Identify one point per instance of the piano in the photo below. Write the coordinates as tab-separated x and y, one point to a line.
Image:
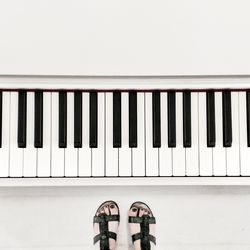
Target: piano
124	131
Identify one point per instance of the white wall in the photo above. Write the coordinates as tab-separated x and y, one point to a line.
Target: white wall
125	37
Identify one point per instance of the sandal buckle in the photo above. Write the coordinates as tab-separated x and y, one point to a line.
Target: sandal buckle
103	237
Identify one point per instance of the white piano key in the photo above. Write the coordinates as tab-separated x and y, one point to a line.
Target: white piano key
152	154
111	152
232	153
165	153
85	151
205	153
125	151
98	154
30	152
16	154
4	150
179	161
219	152
192	154
71	153
244	149
57	154
138	154
44	153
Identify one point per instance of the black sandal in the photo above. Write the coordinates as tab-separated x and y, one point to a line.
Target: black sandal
103	219
144	222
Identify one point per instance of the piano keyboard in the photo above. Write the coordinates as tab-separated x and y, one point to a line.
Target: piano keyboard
150	133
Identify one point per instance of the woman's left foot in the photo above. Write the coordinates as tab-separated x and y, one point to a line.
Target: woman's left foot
106	221
142	226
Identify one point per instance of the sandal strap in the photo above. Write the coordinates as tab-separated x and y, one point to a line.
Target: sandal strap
139	236
144	235
106	218
150	220
109	235
105	234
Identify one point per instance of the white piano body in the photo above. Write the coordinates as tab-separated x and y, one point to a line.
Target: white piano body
215	208
229	166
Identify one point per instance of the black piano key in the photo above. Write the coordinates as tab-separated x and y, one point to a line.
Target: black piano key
62	119
93	122
171	120
211	135
1	120
156	105
187	141
248	117
132	119
117	119
38	140
227	119
78	119
22	119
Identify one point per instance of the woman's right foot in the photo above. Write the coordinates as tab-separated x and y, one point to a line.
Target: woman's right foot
106	221
142	226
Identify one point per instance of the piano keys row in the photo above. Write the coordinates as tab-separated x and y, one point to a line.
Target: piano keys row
124	134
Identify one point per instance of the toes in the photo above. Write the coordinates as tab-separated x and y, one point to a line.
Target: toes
139	209
146	211
133	211
113	209
101	211
141	212
106	209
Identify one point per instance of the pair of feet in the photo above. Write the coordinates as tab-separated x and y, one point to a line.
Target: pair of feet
141	224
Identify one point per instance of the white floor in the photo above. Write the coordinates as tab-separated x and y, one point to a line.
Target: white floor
188	218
